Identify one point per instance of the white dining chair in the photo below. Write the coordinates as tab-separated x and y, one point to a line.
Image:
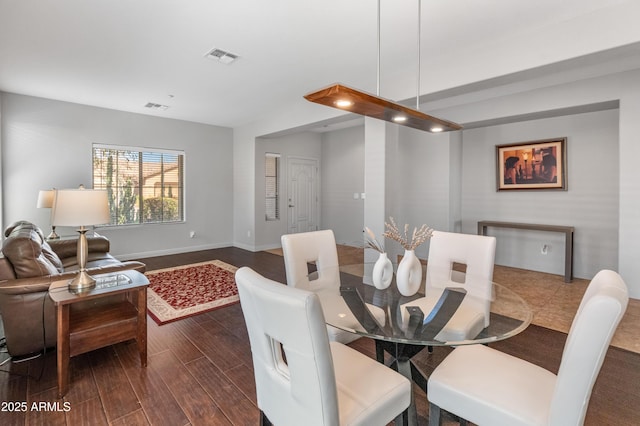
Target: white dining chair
315	247
477	253
489	387
319	248
301	377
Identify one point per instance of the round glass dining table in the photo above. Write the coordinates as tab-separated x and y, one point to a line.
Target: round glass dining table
387	315
451	311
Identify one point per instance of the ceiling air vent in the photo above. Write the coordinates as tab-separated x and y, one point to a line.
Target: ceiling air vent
221	55
155	106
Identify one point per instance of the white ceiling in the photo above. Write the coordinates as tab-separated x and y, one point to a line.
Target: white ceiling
121	54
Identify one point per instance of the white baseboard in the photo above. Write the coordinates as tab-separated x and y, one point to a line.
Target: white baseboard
268	247
178	250
247	247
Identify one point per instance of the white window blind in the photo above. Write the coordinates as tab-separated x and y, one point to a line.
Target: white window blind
272	186
143	186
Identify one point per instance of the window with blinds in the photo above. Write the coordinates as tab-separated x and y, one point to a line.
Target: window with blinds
143	186
272	186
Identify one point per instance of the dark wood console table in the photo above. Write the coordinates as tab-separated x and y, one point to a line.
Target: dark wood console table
566	230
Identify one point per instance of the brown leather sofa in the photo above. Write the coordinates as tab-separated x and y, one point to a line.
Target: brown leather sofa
28	266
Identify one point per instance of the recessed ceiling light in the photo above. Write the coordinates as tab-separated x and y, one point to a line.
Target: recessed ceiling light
436	129
399	118
221	56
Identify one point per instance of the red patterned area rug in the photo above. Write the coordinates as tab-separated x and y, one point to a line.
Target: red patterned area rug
183	291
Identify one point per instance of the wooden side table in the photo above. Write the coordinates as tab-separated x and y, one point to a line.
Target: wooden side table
114	311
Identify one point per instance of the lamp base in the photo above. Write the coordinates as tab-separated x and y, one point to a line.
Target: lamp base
53	235
82	282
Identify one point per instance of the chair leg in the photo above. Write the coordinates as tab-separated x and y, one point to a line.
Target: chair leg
435	415
264	421
402	419
379	352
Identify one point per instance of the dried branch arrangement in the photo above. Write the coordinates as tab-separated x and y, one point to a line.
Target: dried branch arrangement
419	235
372	241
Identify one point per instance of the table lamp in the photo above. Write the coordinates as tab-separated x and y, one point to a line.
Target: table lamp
80	207
45	201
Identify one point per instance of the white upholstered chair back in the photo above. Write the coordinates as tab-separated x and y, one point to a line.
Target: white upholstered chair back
596	320
317	247
506	390
477	252
301	390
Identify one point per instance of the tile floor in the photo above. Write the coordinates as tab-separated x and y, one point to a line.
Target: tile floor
555	302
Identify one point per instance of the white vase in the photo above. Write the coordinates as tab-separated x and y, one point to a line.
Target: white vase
382	272
409	275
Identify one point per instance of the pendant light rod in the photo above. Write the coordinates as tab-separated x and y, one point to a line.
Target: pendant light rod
378	78
356	101
419	39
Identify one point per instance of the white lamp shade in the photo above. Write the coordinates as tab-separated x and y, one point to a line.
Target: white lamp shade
45	198
80	207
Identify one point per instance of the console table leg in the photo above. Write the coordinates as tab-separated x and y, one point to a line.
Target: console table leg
568	257
63	350
141	338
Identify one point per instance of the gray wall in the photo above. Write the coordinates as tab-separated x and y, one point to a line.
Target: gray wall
448	181
554	92
422	186
340	155
591	203
300	145
47	144
342	177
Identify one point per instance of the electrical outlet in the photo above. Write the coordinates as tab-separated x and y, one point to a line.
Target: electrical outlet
545	249
192	234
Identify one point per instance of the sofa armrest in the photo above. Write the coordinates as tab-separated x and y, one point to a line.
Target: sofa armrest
6	269
38	284
29	285
69	247
115	267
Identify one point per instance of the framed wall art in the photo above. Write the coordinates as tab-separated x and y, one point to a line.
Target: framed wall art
532	165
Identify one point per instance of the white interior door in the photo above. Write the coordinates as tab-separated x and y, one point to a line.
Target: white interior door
303	195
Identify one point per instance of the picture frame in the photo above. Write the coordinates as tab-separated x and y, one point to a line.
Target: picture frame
540	165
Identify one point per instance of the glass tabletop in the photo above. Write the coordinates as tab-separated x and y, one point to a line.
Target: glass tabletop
449	311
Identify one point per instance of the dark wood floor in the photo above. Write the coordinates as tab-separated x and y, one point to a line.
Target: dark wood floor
200	370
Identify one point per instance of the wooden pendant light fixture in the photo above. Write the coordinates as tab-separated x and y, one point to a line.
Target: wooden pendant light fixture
363	103
359	102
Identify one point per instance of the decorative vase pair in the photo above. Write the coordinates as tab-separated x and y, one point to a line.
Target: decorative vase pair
408	277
